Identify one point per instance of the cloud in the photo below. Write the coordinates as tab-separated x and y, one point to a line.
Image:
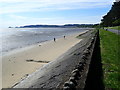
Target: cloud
12	11
55	1
15	6
17	20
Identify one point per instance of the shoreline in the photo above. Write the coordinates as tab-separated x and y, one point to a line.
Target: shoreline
16	67
19	49
26	37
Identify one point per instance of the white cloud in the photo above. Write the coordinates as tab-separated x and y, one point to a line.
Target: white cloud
55	1
14	6
22	20
11	8
18	20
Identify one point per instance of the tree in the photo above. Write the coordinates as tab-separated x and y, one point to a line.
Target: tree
113	16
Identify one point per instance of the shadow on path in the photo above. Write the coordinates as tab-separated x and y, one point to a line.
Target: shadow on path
95	75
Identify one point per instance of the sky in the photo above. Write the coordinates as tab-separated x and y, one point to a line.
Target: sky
52	12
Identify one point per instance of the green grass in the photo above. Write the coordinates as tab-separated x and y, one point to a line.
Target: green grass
116	27
110	55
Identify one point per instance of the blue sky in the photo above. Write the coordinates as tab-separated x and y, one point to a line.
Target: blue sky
59	12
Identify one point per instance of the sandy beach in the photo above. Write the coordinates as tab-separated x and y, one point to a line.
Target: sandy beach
18	64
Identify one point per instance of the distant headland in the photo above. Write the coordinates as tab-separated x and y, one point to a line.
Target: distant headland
61	26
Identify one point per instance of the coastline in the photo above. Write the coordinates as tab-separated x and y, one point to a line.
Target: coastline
19	64
26	37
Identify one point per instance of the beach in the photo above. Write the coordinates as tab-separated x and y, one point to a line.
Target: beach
20	63
17	38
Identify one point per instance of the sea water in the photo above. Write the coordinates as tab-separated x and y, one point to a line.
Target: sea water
15	38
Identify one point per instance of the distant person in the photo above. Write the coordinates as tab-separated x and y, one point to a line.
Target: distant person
54	39
64	37
106	29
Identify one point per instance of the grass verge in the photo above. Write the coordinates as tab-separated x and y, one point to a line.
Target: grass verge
110	55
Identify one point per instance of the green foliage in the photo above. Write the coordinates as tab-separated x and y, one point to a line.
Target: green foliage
115	23
96	26
110	55
113	16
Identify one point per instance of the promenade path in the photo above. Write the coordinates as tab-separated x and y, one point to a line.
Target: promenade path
114	31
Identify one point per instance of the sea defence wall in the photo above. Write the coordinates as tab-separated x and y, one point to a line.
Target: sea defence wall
79	75
68	71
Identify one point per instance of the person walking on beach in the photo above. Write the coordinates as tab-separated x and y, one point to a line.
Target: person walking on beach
54	39
64	37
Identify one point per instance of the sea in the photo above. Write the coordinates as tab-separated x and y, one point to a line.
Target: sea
16	38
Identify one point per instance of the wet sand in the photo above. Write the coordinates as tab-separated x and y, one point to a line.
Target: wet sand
18	64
